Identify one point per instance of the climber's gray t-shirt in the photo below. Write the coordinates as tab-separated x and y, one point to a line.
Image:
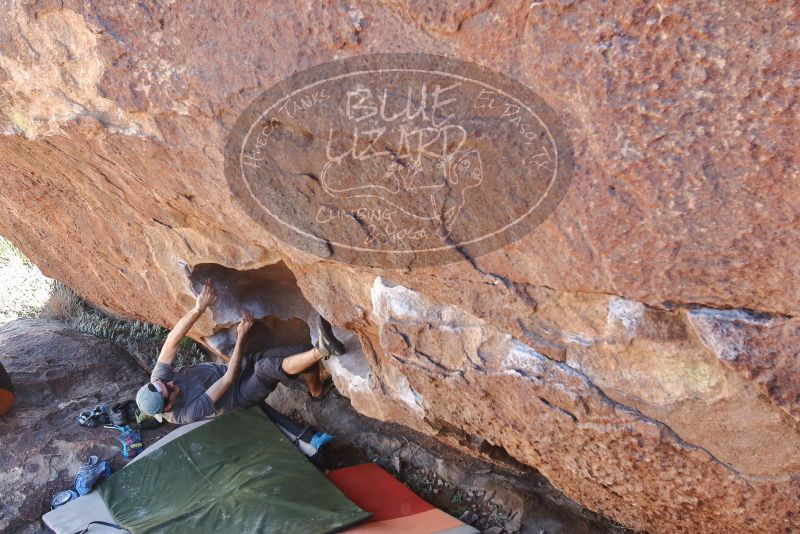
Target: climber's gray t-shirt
260	372
193	403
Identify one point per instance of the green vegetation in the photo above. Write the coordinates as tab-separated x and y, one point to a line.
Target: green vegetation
143	340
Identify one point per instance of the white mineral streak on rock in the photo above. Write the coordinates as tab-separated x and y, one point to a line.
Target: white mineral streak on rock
393	302
719	330
350	370
627	312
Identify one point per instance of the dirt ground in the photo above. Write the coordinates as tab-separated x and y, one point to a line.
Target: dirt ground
57	372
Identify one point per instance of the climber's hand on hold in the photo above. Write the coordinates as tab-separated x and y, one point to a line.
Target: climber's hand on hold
206	298
244	324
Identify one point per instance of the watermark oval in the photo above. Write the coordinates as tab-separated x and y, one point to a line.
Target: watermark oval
399	160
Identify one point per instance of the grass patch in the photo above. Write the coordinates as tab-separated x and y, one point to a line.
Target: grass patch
63	304
142	339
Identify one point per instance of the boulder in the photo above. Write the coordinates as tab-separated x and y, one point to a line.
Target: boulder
637	347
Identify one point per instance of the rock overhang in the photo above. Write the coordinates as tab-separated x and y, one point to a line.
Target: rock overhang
625	381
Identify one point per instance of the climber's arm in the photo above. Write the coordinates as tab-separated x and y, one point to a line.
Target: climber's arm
218	388
206	298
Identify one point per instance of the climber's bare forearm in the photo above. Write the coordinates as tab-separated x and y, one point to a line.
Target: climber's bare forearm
236	359
173	341
219	388
223	384
205	298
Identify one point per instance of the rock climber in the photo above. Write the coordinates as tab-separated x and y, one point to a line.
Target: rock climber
202	390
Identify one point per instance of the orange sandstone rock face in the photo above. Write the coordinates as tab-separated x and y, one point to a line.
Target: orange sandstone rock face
638	347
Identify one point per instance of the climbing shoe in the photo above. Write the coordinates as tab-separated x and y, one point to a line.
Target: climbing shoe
131	408
89	473
123	413
118	415
95	417
327	344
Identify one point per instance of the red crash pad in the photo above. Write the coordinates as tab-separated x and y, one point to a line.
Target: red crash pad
394	507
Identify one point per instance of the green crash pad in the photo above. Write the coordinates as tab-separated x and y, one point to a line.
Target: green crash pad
238	473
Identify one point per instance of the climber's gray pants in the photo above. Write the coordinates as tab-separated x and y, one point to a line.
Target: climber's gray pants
261	372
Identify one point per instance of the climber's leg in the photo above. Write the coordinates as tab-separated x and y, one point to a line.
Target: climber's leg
267	369
312	379
301	362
